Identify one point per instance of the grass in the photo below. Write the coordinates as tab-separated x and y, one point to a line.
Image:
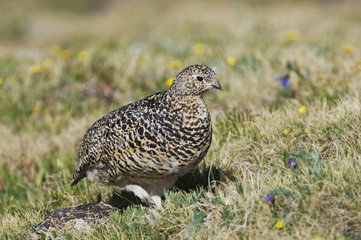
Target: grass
45	111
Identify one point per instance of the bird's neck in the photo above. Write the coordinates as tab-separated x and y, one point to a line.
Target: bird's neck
190	104
188	100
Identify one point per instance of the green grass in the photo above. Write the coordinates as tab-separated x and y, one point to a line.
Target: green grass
43	115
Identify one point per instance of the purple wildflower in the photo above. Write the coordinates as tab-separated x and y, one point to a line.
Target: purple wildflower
269	198
292	163
284	80
285	83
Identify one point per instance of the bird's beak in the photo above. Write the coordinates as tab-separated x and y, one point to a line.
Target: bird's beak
218	86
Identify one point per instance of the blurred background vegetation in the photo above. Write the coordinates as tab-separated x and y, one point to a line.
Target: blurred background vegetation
64	64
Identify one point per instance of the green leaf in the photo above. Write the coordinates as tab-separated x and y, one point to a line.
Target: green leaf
114	216
280	191
289	66
239	188
292	66
197	219
54	234
301	153
228	213
40	176
43	236
318	161
275	192
285	191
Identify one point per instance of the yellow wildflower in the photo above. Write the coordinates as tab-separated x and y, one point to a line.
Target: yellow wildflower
279	224
36	109
320	76
347	49
1	81
47	63
175	64
306	131
291	35
83	56
199	48
65	54
302	110
231	61
36	69
317	238
286	131
64	197
169	81
55	50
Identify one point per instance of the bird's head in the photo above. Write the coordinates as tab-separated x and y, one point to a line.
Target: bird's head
195	80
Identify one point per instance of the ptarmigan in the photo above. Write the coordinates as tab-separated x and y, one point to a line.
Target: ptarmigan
145	146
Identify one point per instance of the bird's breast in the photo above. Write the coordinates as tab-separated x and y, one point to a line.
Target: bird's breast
190	131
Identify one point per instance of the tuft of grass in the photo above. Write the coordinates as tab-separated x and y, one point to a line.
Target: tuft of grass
50	95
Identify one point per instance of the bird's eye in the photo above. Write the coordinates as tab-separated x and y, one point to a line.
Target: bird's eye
199	78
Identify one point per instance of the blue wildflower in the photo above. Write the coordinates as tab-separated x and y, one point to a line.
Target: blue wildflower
284	80
292	163
285	83
269	198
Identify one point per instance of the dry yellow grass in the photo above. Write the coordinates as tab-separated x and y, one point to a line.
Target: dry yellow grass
132	46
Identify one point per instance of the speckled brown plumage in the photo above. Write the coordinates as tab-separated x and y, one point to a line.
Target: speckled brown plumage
146	145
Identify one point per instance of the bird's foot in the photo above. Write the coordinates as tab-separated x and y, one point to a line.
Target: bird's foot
158	202
149	201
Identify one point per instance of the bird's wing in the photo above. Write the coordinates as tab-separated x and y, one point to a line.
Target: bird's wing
117	138
94	142
135	143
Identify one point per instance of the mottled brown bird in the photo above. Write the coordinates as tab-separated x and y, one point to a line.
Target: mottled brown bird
145	146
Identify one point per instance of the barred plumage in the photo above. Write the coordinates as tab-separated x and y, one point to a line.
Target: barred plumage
145	146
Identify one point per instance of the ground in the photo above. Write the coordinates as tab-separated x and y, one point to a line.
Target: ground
286	141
